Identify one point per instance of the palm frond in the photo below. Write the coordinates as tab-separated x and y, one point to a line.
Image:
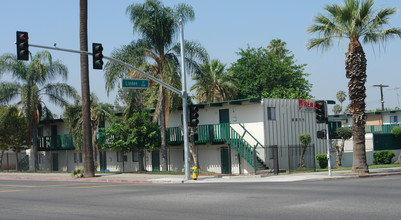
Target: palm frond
9	91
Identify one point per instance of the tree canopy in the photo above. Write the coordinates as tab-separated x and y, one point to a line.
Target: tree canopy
270	73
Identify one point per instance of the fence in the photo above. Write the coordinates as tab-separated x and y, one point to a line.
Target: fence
289	158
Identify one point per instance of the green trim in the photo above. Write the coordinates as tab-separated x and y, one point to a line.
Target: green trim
58	142
219	134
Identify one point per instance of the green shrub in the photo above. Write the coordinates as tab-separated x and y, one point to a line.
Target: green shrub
383	157
78	173
396	132
322	160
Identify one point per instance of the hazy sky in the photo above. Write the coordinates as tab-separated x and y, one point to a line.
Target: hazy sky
221	26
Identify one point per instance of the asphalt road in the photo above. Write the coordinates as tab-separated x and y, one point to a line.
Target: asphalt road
367	198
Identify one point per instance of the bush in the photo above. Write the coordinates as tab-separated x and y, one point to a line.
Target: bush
322	160
383	157
396	132
78	173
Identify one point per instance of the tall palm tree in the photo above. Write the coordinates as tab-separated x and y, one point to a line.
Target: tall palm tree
89	167
277	46
337	109
31	85
354	20
158	44
213	83
341	97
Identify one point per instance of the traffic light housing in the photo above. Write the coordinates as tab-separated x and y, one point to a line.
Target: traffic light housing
321	114
97	50
22	46
321	134
193	116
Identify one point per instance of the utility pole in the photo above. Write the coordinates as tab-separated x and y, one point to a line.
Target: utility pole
381	93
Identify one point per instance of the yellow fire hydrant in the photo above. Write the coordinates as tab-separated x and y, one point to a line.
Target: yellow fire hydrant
195	173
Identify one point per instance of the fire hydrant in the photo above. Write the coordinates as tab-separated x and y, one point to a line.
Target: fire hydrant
195	173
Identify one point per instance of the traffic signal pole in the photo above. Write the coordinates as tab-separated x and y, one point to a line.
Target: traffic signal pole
328	142
167	86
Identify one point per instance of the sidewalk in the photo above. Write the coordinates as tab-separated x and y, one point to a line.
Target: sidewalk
151	178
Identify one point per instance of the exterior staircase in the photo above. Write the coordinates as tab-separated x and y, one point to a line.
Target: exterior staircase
224	133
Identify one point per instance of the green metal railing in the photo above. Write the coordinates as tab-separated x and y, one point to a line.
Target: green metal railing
380	129
57	142
216	134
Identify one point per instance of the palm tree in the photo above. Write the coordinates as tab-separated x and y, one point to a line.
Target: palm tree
354	20
158	44
341	97
99	112
277	46
213	83
337	109
89	167
31	85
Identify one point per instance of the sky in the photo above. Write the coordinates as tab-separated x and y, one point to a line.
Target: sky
223	27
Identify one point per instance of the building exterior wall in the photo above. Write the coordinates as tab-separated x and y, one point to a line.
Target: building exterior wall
292	118
374	119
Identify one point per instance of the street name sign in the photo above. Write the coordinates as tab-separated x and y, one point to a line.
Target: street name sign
134	83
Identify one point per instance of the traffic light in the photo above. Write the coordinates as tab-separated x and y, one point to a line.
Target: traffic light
97	50
321	114
321	134
22	46
193	116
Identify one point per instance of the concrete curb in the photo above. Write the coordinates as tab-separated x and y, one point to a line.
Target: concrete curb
379	174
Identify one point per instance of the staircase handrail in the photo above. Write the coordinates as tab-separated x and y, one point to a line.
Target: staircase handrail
246	131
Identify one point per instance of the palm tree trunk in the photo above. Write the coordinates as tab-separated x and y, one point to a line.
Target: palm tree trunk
34	150
163	146
87	135
355	66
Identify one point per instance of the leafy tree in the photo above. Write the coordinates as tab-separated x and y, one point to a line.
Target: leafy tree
397	134
33	82
13	132
305	140
137	133
344	133
354	20
158	45
337	109
213	83
263	73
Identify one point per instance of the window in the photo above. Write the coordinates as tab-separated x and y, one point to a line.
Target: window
80	157
271	113
75	158
135	156
121	156
395	119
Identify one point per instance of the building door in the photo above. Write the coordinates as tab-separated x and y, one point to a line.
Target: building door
156	160
55	161
225	160
103	160
224	116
